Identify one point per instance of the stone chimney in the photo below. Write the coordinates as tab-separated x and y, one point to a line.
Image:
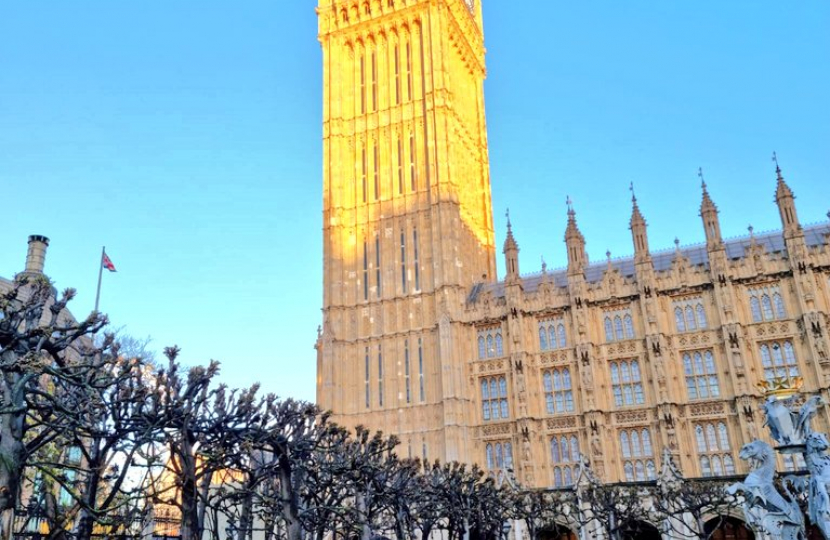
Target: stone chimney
36	257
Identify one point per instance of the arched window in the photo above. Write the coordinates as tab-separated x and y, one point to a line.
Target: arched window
568	476
557	477
636	451
554	451
561	332
629	471
482	351
499	457
491	351
609	331
651	470
558	391
503	395
564	449
679	320
755	308
574	447
499	347
713	449
705	466
711	438
624	444
701	316
701	378
780	312
543	340
723	435
490	462
508	455
629	327
766	304
690	318
626	383
641	472
485	399
700	438
618	327
717	466
647	451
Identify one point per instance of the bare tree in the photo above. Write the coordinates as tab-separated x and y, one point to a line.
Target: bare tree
38	340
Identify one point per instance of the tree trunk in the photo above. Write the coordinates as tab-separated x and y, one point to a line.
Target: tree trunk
189	495
290	508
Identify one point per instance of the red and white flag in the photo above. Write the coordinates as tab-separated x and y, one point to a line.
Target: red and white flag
107	263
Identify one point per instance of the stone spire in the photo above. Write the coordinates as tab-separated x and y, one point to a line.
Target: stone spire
511	252
577	258
639	232
785	200
709	214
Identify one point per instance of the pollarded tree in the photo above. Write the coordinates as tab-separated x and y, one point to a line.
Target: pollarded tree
38	341
200	426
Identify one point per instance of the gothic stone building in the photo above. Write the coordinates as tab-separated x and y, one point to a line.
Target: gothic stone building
615	360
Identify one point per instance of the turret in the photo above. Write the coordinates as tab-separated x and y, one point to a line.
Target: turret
639	231
709	215
577	258
785	200
511	253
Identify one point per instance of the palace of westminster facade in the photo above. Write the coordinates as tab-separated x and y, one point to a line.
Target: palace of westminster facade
613	360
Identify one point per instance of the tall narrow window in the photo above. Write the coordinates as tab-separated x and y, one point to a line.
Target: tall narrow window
766	303
714	450
558	391
626	383
364	179
403	262
362	84
400	166
778	360
494	398
367	385
376	169
701	377
374	81
380	376
637	445
406	370
421	389
412	182
397	63
377	265
564	452
415	261
408	70
365	270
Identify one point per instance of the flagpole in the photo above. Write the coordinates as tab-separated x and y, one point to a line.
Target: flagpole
100	273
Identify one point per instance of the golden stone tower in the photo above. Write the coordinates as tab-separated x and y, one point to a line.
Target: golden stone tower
407	219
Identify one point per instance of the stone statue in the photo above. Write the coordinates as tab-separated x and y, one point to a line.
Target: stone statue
788	427
765	509
818	464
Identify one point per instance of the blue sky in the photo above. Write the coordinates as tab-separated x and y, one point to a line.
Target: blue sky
185	136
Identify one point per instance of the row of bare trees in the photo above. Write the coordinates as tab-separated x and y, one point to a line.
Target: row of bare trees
102	440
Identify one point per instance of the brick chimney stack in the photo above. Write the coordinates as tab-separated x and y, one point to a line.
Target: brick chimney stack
36	257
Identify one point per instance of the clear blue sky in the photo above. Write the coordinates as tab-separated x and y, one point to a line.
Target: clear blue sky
185	136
